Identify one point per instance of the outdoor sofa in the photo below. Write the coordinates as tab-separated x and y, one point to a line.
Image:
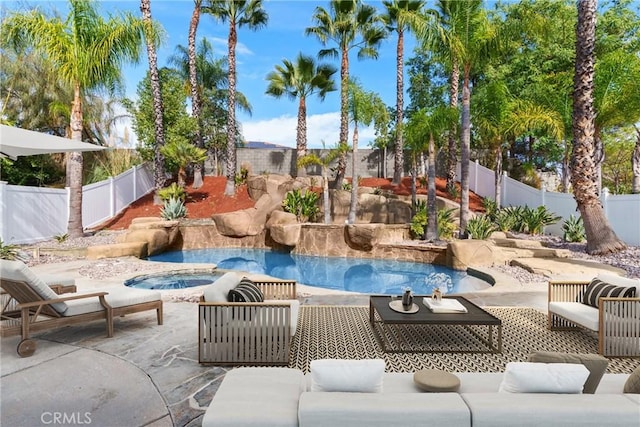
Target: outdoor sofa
285	397
578	304
254	329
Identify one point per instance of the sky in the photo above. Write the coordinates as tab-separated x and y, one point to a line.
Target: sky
273	120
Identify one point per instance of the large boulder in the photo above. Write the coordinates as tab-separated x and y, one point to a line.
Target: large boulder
158	234
470	253
372	208
286	234
363	236
247	222
259	185
136	249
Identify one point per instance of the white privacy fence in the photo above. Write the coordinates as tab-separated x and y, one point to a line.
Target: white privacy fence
623	211
31	214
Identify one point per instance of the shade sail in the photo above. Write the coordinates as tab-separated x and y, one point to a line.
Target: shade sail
16	142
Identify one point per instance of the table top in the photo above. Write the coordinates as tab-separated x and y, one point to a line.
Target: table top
474	315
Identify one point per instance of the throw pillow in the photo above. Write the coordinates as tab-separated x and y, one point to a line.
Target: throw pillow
632	385
597	289
596	364
524	377
360	376
246	291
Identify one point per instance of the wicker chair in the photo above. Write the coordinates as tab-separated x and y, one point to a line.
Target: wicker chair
616	321
233	333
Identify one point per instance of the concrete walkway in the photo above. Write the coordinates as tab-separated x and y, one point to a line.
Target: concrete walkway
146	375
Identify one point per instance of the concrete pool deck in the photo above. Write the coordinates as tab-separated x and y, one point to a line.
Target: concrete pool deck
148	375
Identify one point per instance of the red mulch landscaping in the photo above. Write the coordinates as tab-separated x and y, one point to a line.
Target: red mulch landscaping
210	199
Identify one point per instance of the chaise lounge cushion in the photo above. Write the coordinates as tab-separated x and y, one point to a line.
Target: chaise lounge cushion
19	272
116	298
596	364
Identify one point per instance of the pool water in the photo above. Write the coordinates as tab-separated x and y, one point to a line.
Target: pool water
369	276
172	280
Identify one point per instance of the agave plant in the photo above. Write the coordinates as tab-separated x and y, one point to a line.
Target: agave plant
173	209
573	230
9	251
536	219
481	227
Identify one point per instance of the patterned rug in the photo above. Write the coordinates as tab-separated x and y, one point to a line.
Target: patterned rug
329	332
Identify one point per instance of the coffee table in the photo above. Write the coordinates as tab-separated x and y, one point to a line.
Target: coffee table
425	331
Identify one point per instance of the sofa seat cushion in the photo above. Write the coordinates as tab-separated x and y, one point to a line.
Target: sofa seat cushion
547	409
595	363
218	291
435	380
576	312
382	409
251	397
117	297
19	272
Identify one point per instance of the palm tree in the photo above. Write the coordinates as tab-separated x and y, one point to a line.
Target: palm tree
158	114
196	102
349	24
601	239
182	153
401	16
239	13
87	51
299	81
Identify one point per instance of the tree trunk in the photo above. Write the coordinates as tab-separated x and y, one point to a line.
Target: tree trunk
465	148
384	162
158	109
398	167
432	215
325	195
230	188
452	152
498	178
344	117
353	206
74	168
566	173
635	164
301	135
601	239
414	186
196	102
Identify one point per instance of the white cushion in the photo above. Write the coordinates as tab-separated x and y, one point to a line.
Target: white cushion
579	313
626	282
363	376
19	272
218	291
117	297
528	377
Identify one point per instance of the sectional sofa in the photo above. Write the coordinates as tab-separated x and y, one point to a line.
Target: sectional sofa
282	397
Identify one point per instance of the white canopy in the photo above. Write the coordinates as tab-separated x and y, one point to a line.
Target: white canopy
16	142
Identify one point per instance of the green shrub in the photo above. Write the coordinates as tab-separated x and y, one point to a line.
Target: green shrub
8	251
419	219
61	238
574	230
174	191
510	219
346	186
480	227
490	207
535	220
241	177
446	224
173	209
301	204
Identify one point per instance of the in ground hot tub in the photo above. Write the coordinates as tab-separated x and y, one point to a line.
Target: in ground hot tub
169	280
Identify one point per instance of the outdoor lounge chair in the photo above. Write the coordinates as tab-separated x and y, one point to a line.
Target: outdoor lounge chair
39	307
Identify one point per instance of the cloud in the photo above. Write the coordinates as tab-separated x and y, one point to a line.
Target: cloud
320	127
222	44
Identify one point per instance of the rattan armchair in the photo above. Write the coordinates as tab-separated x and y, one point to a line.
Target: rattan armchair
616	321
232	333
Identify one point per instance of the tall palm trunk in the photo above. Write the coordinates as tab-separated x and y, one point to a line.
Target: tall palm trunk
230	188
601	239
74	168
353	206
635	164
498	177
196	102
598	158
398	166
344	117
158	113
452	152
301	134
465	155
432	215
566	173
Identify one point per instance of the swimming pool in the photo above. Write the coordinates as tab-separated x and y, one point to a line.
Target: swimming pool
369	276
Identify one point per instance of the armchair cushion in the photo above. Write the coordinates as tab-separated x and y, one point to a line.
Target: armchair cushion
598	289
246	291
218	291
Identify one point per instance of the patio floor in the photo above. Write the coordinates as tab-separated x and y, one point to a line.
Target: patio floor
149	375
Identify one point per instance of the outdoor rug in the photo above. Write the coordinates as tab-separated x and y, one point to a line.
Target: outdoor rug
340	332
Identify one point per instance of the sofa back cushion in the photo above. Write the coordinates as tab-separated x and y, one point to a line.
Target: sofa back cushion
218	291
595	363
343	375
614	279
525	377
